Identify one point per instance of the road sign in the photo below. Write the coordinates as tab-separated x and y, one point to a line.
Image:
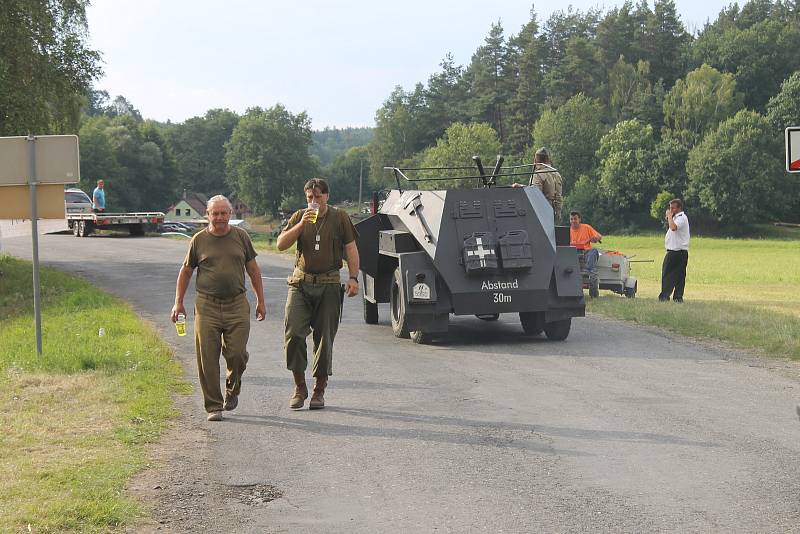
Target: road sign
35	161
17	201
56	156
793	149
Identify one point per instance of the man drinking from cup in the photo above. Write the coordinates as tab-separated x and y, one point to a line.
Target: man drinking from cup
325	237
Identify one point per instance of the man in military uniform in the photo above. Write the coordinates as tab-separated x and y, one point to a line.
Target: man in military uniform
325	236
221	253
546	178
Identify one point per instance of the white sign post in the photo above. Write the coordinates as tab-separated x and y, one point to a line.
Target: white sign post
34	160
793	149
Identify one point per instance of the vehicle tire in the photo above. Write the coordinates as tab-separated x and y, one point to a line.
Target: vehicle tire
532	322
558	330
398	306
76	229
370	311
630	292
419	337
488	316
136	230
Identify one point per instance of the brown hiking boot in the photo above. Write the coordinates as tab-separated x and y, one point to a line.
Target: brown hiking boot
300	390
317	399
299	397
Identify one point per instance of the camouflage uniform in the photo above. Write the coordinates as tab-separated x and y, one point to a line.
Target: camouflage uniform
549	181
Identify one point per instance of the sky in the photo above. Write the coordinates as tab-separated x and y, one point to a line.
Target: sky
337	61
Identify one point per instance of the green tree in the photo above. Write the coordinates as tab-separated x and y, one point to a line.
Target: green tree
669	166
627	177
632	95
45	66
760	55
617	35
398	132
344	172
332	142
461	142
98	160
446	100
734	171
490	82
572	133
525	61
267	157
665	42
783	110
701	102
198	144
581	71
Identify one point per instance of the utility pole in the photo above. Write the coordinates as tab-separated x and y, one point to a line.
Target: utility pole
360	183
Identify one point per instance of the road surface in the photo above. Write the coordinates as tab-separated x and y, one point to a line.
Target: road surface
618	429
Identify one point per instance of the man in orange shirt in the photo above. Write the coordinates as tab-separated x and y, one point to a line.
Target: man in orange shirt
581	236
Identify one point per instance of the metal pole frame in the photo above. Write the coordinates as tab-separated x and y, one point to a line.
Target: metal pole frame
33	182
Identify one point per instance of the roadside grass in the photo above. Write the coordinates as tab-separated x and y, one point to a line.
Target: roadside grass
77	419
745	291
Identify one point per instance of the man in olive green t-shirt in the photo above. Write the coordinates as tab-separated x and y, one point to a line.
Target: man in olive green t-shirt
221	253
325	236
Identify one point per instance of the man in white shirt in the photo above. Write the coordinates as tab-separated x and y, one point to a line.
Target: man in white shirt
673	270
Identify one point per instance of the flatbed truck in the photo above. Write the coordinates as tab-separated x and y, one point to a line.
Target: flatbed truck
83	224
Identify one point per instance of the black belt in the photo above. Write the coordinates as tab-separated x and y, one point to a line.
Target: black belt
680	250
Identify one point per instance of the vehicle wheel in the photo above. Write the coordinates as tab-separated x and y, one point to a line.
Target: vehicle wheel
76	229
136	230
558	330
630	292
532	322
488	316
398	305
594	287
370	311
419	337
82	228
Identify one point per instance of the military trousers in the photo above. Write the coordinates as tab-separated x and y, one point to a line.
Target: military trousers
312	309
221	326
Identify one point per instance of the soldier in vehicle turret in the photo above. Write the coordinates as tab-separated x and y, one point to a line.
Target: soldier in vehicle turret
548	179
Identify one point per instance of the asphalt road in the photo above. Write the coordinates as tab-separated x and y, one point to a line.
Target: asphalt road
617	429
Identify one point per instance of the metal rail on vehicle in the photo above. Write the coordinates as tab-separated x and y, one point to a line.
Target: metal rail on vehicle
485	179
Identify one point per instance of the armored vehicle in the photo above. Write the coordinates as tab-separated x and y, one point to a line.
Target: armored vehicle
477	251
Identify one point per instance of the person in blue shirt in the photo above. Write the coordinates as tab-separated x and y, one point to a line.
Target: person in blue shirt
99	197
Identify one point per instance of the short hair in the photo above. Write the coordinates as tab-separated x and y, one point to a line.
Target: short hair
575	214
676	201
542	156
219	198
100	181
316	183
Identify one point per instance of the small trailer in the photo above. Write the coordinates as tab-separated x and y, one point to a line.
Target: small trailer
83	224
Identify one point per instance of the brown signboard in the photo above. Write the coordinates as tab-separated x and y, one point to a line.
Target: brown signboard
57	160
15	201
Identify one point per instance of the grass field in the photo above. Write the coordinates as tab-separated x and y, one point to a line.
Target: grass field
742	290
75	420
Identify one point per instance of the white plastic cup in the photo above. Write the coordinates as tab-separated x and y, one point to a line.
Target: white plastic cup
314	206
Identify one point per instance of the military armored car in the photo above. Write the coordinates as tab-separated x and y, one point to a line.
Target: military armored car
482	250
